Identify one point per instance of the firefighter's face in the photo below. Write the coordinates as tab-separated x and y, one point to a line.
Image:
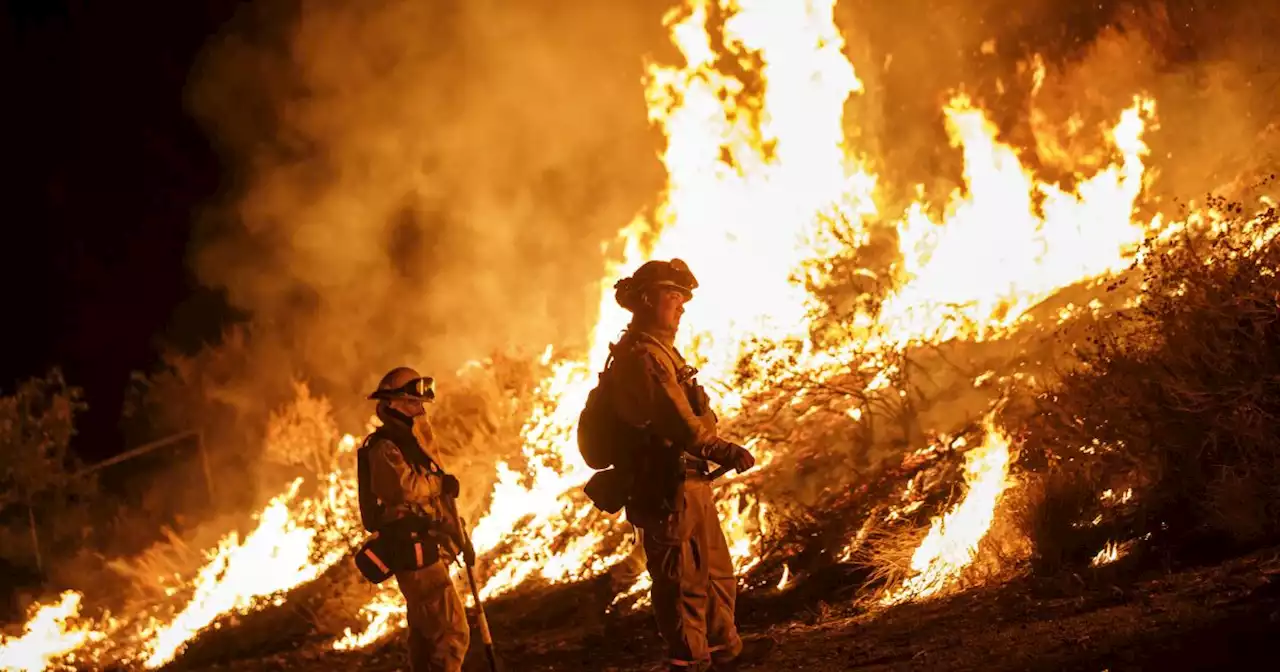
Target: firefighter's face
668	307
409	407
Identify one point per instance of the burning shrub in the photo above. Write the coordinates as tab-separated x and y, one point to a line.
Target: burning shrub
1176	401
303	433
1060	511
477	422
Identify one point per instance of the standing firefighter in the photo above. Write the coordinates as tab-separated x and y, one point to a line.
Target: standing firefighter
402	485
663	469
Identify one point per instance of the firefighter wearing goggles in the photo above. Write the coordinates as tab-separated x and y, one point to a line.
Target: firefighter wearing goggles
405	478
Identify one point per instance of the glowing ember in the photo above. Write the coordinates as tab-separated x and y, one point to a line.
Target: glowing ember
953	538
1109	554
1109	496
850	551
1114	551
638	590
786	577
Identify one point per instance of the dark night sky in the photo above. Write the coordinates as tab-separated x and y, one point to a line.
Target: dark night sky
106	170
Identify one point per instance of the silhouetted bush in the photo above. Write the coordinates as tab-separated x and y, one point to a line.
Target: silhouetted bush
1176	399
44	505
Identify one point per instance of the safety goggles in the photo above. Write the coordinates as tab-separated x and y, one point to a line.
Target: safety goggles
418	388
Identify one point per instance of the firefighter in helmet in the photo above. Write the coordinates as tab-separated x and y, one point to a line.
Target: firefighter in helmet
407	479
694	588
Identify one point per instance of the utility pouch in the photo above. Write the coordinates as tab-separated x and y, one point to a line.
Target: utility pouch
404	545
611	489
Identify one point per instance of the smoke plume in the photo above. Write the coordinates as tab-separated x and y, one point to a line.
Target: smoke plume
423	182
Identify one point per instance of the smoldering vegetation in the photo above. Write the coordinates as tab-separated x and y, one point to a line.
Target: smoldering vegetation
1171	411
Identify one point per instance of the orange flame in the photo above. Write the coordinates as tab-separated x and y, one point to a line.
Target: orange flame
287	549
754	170
50	634
953	538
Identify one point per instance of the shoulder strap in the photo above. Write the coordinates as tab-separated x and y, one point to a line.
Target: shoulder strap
608	361
676	360
614	348
408	446
370	507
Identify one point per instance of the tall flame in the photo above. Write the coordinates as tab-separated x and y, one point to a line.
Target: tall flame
748	175
953	538
757	161
994	256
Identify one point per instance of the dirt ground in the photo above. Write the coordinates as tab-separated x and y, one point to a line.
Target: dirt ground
1222	617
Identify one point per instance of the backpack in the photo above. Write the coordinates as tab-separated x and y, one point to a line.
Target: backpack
611	446
604	439
602	435
370	507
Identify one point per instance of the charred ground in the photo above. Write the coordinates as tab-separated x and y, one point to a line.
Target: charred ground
1205	618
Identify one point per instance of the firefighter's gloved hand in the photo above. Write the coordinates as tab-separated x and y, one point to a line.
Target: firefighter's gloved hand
469	555
451	486
739	458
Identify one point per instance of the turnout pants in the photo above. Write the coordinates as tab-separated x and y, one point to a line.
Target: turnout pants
694	589
438	629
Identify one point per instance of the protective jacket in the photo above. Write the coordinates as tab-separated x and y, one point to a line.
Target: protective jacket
400	476
655	390
406	479
694	590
